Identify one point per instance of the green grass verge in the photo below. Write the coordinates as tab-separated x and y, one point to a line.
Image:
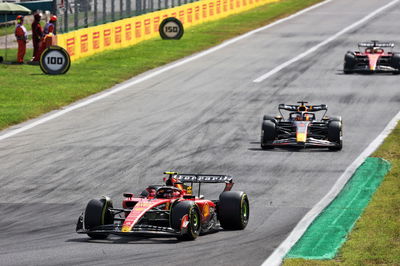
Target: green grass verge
375	239
26	93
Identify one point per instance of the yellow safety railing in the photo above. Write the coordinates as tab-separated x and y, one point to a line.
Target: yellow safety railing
126	32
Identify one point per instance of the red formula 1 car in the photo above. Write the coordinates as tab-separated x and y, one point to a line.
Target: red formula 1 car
372	57
168	210
302	129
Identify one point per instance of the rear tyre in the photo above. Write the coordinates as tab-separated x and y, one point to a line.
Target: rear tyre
181	209
96	214
335	135
396	63
233	210
349	63
268	134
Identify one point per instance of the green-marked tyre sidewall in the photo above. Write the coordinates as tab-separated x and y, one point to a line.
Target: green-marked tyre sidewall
233	210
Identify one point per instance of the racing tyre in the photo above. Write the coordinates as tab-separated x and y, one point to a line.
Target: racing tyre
190	209
335	118
349	63
335	135
269	117
268	134
396	63
97	213
233	210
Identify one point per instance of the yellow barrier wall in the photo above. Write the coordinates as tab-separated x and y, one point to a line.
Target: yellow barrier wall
125	32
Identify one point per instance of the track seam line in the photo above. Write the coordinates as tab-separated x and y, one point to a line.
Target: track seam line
143	77
321	44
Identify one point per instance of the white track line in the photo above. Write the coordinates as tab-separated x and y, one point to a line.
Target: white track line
276	257
134	81
316	47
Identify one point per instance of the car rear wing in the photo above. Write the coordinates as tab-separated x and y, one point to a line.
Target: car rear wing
308	108
201	179
378	44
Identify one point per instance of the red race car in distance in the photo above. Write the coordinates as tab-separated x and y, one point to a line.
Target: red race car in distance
371	58
168	210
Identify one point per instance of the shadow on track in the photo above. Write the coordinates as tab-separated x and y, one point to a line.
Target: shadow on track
287	149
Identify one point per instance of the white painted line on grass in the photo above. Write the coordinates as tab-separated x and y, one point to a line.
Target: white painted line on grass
137	80
316	47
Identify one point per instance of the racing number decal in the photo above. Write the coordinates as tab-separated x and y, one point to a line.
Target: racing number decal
171	29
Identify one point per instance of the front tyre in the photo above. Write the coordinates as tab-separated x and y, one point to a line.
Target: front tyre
268	134
335	135
233	210
335	118
186	210
269	117
96	214
349	63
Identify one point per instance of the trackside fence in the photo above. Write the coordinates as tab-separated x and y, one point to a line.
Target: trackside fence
77	14
129	31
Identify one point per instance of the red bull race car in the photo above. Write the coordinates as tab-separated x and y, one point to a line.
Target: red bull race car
168	210
372	57
302	129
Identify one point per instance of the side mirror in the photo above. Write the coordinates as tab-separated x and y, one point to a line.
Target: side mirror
128	195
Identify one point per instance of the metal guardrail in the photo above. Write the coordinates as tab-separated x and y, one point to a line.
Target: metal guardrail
77	14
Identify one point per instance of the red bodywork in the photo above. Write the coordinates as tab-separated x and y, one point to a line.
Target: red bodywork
150	211
373	54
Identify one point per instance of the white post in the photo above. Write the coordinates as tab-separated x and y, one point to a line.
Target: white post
5	28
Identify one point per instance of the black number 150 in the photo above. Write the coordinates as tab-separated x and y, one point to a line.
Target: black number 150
171	29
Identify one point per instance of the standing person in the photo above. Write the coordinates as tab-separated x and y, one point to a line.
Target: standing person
50	26
49	34
37	36
22	38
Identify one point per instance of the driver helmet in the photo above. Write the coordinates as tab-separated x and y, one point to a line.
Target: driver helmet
167	194
176	194
151	191
298	117
307	117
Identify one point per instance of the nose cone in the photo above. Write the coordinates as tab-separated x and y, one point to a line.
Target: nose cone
373	60
301	137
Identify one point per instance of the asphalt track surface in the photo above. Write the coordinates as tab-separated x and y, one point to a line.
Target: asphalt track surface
202	117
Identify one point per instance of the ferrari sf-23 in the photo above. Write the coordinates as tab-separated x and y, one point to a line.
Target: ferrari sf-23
168	210
301	128
372	58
